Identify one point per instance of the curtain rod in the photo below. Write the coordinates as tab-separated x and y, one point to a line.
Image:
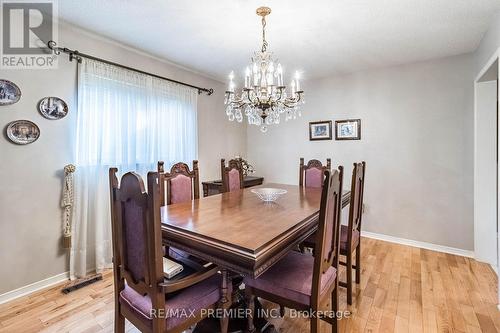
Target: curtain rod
76	55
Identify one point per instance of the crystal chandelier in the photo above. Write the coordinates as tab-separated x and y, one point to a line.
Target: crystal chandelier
264	97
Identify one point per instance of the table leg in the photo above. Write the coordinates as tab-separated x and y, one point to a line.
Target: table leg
224	321
250	300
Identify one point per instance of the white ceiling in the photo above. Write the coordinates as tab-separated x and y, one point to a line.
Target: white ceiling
319	38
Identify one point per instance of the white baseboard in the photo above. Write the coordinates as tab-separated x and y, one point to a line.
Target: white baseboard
422	245
10	295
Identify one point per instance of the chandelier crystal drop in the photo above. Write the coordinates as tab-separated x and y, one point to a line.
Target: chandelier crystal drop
264	98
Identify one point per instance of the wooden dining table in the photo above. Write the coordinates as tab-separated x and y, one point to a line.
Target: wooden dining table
241	233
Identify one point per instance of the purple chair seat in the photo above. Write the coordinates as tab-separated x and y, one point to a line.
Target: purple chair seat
178	306
291	278
309	241
343	238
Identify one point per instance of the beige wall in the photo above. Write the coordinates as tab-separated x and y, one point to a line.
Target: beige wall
417	140
30	216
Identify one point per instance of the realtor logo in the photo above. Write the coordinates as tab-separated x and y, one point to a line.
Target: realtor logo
27	26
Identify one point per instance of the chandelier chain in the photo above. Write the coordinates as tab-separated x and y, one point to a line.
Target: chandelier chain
264	42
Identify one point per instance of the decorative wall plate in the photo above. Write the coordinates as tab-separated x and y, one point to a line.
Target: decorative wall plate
23	132
9	92
53	108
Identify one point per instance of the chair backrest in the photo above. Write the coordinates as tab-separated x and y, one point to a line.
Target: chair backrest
328	235
136	233
311	175
356	204
232	175
180	184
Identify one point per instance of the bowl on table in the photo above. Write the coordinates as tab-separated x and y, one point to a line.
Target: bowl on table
268	194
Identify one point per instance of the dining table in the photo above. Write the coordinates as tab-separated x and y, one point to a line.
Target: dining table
238	231
241	233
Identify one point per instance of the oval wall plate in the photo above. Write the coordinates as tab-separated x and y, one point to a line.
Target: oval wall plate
23	132
9	92
53	108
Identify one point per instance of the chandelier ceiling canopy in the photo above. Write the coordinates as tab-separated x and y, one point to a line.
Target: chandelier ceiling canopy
264	97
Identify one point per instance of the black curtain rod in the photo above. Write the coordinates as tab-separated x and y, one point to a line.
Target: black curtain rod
76	55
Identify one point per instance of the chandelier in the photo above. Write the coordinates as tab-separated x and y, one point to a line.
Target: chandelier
264	98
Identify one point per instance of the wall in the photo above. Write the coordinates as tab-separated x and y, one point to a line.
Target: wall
30	214
417	140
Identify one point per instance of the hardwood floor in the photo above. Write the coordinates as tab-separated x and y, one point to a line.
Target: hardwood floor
403	289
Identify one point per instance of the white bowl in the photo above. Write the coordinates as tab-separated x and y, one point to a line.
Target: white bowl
267	194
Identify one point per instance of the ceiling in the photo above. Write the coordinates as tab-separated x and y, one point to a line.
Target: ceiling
319	38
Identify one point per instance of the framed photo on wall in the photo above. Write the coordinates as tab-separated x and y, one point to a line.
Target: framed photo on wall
320	130
349	129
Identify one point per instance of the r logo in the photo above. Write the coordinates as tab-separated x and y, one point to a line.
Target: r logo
27	27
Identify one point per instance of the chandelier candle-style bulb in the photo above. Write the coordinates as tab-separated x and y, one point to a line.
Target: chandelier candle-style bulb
297	84
247	78
264	98
231	82
279	74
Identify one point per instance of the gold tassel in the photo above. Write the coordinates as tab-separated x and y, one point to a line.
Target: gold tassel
66	242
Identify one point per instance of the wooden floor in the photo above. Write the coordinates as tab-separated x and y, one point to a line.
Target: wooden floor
403	289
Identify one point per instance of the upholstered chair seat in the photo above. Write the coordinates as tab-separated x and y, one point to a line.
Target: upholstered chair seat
178	305
344	241
291	278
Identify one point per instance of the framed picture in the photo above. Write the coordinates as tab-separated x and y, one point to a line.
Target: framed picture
53	108
320	130
349	129
9	92
23	132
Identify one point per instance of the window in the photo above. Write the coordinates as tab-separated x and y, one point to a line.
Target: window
130	121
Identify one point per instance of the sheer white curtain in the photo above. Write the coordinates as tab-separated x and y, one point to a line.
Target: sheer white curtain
130	121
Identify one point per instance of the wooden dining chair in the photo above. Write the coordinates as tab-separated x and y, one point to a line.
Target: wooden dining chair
180	184
350	240
232	175
311	174
301	281
176	186
142	294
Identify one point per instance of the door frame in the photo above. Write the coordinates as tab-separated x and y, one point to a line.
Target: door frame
494	58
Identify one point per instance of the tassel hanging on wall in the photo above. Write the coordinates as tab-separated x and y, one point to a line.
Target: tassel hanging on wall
67	204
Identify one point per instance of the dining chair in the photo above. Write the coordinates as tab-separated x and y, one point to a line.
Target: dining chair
176	186
142	294
180	184
350	240
301	281
311	175
232	175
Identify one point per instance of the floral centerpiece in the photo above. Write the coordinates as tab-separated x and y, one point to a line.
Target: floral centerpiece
247	167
